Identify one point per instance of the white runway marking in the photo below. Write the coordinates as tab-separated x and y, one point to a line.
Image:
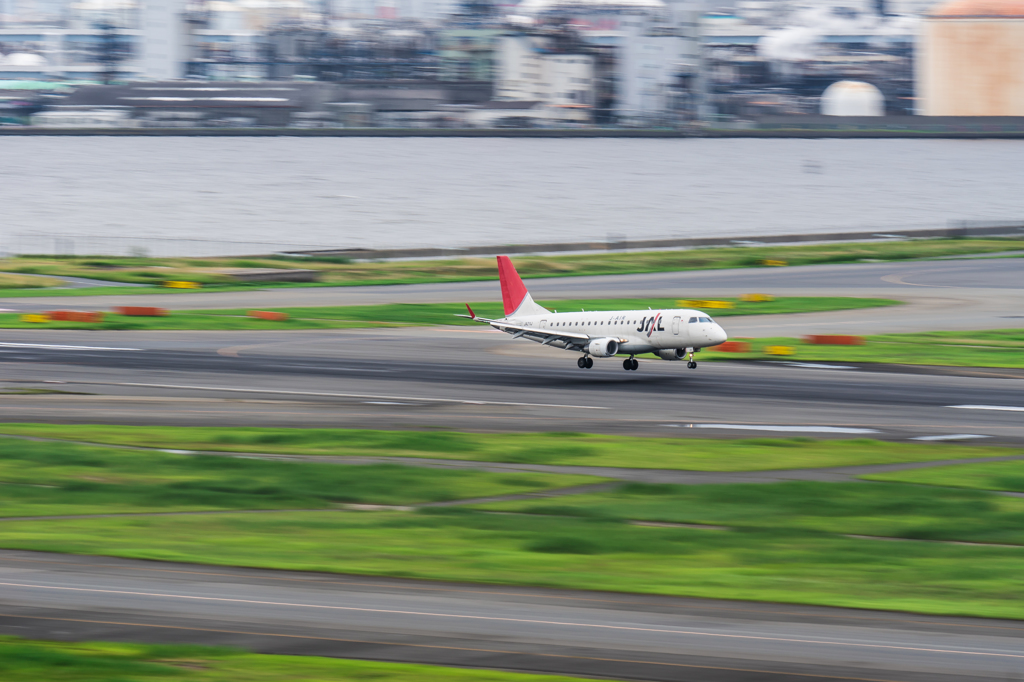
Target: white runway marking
812	365
335	369
672	631
998	408
800	429
952	436
458	401
54	347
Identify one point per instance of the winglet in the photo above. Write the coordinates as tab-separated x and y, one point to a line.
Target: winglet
471	314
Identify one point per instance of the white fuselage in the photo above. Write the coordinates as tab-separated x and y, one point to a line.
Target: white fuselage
637	331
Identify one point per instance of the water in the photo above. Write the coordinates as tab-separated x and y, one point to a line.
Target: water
387	192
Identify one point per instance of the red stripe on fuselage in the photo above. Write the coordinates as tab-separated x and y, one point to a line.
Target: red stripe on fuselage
513	291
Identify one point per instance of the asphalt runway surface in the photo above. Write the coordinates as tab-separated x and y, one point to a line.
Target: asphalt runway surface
479	379
643	637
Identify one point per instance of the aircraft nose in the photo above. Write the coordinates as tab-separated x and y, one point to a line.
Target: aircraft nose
718	335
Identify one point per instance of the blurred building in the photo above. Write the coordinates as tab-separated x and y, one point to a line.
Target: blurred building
646	53
656	69
971	59
777	58
193	103
553	70
163	44
467	51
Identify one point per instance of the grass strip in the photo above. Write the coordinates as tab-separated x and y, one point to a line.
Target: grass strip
342	272
27	660
574	449
786	566
991	348
398	314
43	478
883	509
1008	476
18	282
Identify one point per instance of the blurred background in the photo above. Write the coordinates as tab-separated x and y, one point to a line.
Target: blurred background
897	64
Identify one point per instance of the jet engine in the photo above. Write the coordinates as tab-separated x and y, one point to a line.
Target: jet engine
603	348
672	353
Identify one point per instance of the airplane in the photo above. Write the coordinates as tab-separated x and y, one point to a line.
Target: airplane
670	334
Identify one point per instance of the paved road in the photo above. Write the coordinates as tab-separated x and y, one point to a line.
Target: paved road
480	380
587	633
949	294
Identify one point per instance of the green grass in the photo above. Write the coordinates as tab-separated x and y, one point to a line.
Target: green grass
395	314
889	509
41	478
766	565
579	449
992	348
339	272
1007	476
36	661
19	282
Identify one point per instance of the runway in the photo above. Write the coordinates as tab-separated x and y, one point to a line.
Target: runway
585	633
478	379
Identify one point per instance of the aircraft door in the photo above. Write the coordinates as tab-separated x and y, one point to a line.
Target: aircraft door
675	326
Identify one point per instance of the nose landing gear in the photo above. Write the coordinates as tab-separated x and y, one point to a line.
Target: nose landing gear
691	364
585	362
630	364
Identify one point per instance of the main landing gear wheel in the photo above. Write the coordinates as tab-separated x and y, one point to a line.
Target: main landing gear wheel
582	363
691	364
630	363
590	362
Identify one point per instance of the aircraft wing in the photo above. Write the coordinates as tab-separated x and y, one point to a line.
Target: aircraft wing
545	336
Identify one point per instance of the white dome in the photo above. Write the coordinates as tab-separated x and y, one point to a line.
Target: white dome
26	59
852	98
535	6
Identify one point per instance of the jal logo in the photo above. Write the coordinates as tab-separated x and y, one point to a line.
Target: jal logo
651	325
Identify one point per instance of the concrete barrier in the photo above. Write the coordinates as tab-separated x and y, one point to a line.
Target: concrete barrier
955	229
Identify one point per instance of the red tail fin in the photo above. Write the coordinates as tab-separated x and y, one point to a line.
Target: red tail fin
513	291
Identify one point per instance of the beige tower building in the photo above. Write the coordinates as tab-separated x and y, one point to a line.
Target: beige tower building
970	59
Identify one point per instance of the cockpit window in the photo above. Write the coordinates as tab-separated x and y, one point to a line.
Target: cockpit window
705	319
692	320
